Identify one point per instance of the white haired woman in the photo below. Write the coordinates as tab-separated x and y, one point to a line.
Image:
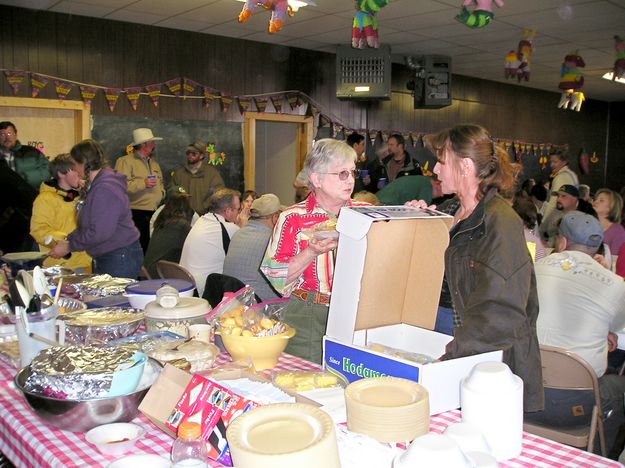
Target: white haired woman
487	264
302	267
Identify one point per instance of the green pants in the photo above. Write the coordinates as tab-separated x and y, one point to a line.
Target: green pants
309	320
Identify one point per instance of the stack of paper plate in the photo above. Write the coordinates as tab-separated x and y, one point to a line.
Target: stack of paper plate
284	435
388	409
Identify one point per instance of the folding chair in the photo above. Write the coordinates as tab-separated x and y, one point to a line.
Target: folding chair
172	270
565	370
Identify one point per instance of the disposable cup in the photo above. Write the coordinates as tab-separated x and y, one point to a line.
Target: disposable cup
201	332
364	173
30	347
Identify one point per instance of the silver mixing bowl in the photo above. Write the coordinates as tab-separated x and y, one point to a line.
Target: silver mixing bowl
82	415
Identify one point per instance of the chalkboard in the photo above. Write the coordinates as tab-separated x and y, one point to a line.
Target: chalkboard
115	134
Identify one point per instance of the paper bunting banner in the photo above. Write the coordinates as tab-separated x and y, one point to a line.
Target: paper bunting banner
277	102
261	103
63	88
226	102
244	104
175	86
133	96
87	93
112	95
385	135
210	95
15	79
189	86
154	91
337	129
408	141
293	100
416	138
37	83
347	132
373	135
324	121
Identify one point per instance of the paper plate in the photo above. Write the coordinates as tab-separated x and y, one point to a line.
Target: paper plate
283	435
134	461
386	392
20	257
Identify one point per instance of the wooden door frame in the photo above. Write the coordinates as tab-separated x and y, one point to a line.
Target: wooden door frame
82	111
303	142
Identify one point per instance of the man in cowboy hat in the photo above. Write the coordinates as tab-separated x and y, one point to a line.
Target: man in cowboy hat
197	177
145	180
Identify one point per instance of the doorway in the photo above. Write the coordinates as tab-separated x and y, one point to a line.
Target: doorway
275	147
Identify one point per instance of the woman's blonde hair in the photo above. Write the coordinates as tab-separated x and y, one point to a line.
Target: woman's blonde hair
615	204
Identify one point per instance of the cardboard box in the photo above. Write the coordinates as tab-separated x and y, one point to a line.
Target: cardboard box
386	288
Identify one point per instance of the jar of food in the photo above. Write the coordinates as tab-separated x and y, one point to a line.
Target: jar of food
177	319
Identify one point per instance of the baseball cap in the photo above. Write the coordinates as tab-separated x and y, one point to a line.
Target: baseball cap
581	228
177	189
196	147
265	205
567	189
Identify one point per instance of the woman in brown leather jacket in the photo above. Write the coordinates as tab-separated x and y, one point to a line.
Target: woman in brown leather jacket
487	263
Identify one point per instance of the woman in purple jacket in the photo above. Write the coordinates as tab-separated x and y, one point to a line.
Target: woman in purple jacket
105	228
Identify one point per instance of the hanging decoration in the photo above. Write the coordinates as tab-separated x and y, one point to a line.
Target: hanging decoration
517	63
261	103
226	102
214	158
244	104
154	92
385	135
133	95
37	83
373	135
481	15
277	102
583	160
337	129
15	79
292	99
279	11
189	86
365	23
175	86
210	95
112	95
572	82
87	93
63	88
618	71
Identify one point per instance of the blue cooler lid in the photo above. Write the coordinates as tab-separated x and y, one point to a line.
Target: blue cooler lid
149	287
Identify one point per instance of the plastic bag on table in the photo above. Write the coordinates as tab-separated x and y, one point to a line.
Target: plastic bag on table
232	304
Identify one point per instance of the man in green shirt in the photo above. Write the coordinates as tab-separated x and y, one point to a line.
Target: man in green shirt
413	187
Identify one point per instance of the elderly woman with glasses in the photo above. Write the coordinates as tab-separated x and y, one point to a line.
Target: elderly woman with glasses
299	261
488	267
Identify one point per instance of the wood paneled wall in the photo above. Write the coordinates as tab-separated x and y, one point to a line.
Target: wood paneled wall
116	54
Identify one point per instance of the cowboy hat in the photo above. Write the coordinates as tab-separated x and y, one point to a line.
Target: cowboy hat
141	135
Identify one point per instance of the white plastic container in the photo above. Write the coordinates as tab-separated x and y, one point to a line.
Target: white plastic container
141	293
189	311
116	438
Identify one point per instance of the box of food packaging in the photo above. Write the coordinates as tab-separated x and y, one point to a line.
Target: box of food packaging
178	396
386	287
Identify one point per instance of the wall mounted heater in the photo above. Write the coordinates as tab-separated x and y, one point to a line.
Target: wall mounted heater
363	74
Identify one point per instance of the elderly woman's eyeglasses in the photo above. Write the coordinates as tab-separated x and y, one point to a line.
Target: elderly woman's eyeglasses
343	175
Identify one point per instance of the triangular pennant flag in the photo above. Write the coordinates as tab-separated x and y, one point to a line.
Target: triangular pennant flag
63	88
226	102
15	79
336	130
347	132
37	83
407	138
324	121
244	103
416	138
189	86
385	135
133	96
277	102
292	99
373	135
154	91
210	94
112	95
87	93
175	86
261	103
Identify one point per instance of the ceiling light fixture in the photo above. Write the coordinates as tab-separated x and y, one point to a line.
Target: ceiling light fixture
296	4
610	76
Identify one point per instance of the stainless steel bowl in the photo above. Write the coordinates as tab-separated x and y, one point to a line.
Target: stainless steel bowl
82	415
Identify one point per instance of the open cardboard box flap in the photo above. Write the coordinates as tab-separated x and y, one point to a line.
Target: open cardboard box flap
398	285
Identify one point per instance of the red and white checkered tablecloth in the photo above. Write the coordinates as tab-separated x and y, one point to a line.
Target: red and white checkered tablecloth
29	442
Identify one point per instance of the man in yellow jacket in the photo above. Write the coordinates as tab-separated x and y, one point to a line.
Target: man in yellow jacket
54	213
145	180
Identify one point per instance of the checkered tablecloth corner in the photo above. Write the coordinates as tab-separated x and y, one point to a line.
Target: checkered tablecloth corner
27	441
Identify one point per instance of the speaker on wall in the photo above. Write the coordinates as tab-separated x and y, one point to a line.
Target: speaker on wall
432	83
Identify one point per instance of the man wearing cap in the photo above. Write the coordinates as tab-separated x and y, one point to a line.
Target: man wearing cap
208	241
563	175
567	199
145	180
248	246
581	302
197	177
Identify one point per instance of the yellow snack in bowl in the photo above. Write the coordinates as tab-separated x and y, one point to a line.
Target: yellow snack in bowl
247	333
267	323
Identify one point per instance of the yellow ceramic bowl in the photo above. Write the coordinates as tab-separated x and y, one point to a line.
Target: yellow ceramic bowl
264	351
